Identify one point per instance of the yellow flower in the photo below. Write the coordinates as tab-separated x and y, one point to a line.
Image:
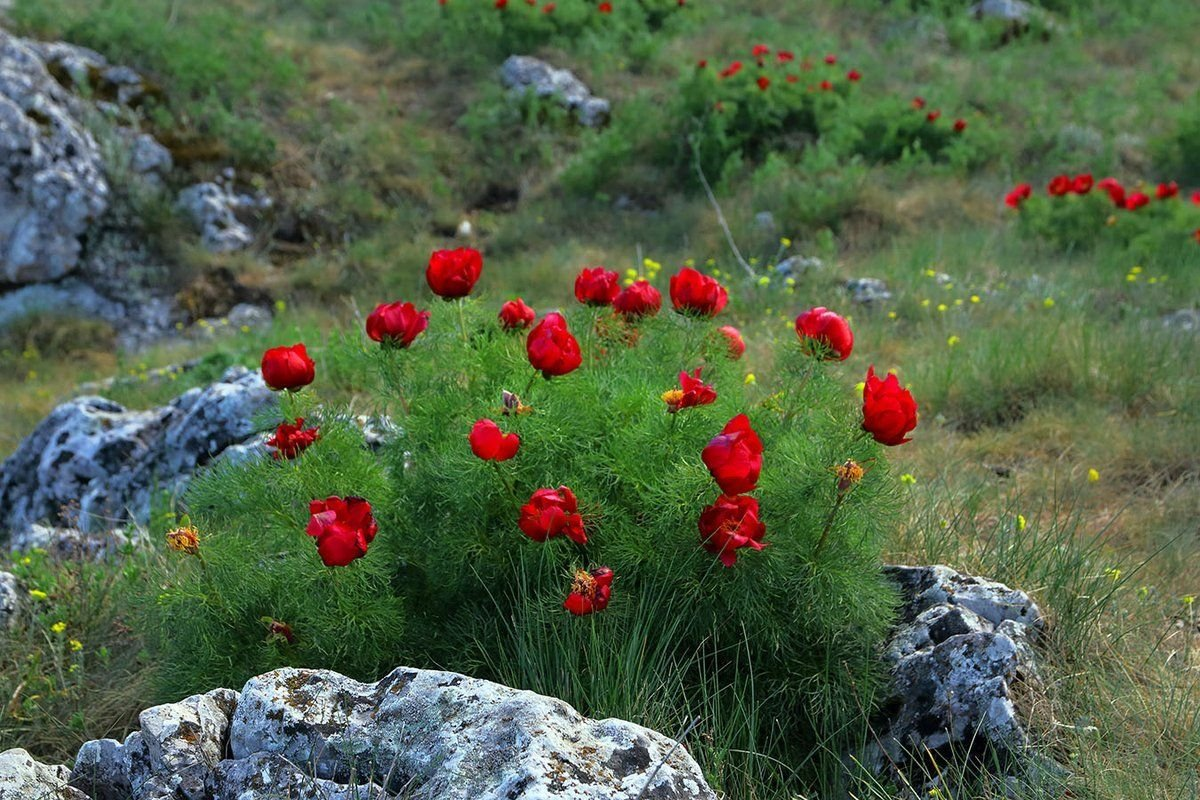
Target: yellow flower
26	561
1135	270
941	307
1131	278
184	540
929	273
848	473
958	301
786	242
907	479
765	280
628	281
710	262
860	386
76	645
953	340
1020	522
750	379
1188	599
753	260
243	329
925	303
38	594
1152	280
58	627
1113	573
631	273
891	315
1093	475
975	298
687	262
790	281
1048	302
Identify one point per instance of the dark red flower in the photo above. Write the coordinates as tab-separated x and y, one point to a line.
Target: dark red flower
1165	191
854	76
396	323
933	116
549	8
1058	186
1135	201
1082	183
1196	235
826	86
889	411
737	345
492	444
763	82
597	286
551	347
960	125
918	103
501	3
1018	195
515	315
605	7
550	513
734	457
830	330
343	528
1116	192
453	273
785	56
691	392
288	367
639	299
792	78
695	293
291	439
702	63
590	591
730	524
733	69
831	59
282	630
760	50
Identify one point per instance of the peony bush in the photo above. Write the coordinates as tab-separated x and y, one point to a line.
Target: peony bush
592	502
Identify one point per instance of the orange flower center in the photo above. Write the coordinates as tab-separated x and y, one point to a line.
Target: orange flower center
184	540
583	584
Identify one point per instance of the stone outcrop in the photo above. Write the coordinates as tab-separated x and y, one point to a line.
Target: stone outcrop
214	208
22	778
527	74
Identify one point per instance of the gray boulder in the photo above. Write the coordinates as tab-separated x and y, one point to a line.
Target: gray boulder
10	600
527	74
92	463
71	544
867	290
214	209
22	778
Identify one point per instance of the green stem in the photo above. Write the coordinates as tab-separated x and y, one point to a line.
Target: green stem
828	525
529	387
507	482
462	319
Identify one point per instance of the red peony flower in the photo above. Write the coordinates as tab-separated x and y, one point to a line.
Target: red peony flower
737	345
1196	235
763	82
691	392
1058	186
291	439
1135	201
590	591
1082	183
1165	191
733	69
960	125
730	524
918	103
702	63
502	4
854	76
822	326
1115	191
639	299
734	457
550	513
792	78
698	294
453	273
831	59
343	528
515	315
1018	195
826	86
549	8
492	444
597	286
1196	198
889	411
551	347
933	116
605	7
760	50
396	323
785	56
288	367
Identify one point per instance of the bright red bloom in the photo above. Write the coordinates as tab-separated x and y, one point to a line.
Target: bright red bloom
492	444
590	591
343	528
453	273
639	299
820	325
730	524
737	345
763	82
288	367
515	315
1082	183
1196	198
597	286
918	103
501	3
1021	193
889	411
785	56
396	323
1135	201
291	439
826	86
933	116
691	392
1058	186
733	69
551	347
695	293
831	59
854	76
550	513
960	125
1116	192
1165	191
734	457
760	50
605	7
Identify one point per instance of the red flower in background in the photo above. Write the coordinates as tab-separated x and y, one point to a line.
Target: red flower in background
831	59
597	286
492	444
639	299
501	3
396	323
960	125
551	348
1116	192
854	76
1058	186
730	524
760	50
453	273
605	7
1165	191
691	392
515	315
1196	198
1082	183
933	116
1018	195
1135	201
734	457
695	293
823	326
785	56
288	367
733	69
889	411
1196	235
826	86
343	528
763	82
737	345
590	591
792	78
918	103
550	513
291	439
549	8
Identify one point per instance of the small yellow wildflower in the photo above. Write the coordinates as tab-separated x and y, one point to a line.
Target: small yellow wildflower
38	594
1048	302
1093	476
280	306
631	273
1113	573
765	280
184	540
925	303
1021	522
786	242
975	299
907	479
790	281
58	627
958	301
1188	599
1152	281
953	340
1131	278
76	645
687	262
1135	270
942	306
628	281
750	379
243	329
929	273
860	386
892	315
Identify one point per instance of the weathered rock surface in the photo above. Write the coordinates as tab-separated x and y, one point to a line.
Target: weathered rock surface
425	735
214	208
960	649
73	544
22	778
92	463
1007	10
10	600
525	73
867	290
1185	319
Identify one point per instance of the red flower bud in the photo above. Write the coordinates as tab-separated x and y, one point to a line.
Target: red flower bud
730	524
734	457
889	411
639	299
824	327
597	286
550	513
854	76
698	294
960	125
1018	195
763	82
288	367
551	347
396	323
492	444
515	315
737	345
343	528
453	273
